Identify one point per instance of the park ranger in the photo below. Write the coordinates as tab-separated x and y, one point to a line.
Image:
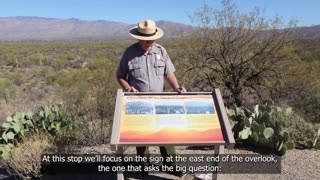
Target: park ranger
144	66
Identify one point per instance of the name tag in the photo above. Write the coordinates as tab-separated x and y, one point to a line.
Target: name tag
157	56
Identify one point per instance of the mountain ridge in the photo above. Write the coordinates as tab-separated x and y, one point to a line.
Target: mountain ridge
23	28
32	28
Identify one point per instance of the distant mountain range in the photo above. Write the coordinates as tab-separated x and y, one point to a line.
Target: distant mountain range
37	28
50	29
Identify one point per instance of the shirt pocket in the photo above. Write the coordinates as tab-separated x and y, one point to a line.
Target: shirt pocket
159	67
135	69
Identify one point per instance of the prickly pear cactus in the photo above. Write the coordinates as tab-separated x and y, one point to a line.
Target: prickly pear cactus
14	129
261	127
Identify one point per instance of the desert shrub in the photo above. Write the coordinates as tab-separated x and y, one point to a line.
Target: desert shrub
96	105
15	77
58	64
48	73
229	51
65	78
92	92
309	105
25	159
36	59
71	78
63	123
7	89
67	56
302	133
99	63
83	52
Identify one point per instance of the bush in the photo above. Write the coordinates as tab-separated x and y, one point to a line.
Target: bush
67	56
7	89
25	158
92	93
36	59
15	77
63	123
48	73
302	133
99	63
58	64
71	78
309	105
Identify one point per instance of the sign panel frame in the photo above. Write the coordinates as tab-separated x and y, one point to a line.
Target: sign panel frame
154	107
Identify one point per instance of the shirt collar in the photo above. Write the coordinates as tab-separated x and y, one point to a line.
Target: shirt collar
152	50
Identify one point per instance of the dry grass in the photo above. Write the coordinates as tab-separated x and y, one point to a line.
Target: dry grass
25	159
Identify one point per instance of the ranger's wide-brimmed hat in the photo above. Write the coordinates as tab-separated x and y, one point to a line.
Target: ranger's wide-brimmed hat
146	30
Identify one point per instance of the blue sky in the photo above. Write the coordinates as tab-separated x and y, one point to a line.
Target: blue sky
307	12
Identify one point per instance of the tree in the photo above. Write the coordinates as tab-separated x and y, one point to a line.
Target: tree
236	52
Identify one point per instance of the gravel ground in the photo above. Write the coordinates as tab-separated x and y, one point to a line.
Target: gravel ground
295	164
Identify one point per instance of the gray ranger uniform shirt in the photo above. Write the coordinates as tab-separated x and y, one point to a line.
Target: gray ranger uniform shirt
145	71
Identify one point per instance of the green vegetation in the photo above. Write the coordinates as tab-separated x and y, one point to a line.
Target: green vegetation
14	130
232	51
272	127
7	89
56	120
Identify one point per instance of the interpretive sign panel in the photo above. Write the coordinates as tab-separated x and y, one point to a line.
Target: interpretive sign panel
169	118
